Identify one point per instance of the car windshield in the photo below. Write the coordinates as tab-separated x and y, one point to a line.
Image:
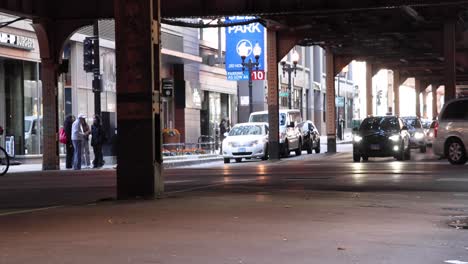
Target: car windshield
263	118
27	125
412	123
379	124
246	130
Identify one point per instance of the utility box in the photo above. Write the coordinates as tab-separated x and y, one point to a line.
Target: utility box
109	124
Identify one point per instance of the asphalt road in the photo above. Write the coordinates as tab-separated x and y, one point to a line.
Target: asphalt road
317	208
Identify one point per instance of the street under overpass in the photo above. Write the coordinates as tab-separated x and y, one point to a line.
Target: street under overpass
424	39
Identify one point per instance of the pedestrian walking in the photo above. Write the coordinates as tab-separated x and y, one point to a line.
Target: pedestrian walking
77	139
98	138
86	160
67	126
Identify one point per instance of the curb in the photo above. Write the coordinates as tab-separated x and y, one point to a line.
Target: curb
175	164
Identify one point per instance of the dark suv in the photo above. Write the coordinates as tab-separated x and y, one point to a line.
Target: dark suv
385	136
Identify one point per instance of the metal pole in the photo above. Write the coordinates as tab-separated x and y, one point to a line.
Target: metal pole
250	66
338	110
97	71
289	86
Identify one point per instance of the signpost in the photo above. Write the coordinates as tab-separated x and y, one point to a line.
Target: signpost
243	37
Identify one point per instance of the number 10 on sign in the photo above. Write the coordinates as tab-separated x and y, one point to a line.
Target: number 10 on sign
258	75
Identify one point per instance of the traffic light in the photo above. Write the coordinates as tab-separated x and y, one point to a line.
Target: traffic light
88	54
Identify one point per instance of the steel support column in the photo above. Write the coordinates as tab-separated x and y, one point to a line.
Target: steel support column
435	111
273	96
417	88
396	92
369	96
137	27
47	32
49	76
449	54
331	107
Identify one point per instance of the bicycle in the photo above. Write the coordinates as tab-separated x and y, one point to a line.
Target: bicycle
4	158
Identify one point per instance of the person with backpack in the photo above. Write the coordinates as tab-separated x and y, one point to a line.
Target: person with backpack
67	129
98	138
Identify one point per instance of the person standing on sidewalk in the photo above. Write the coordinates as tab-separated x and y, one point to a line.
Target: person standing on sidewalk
86	160
67	126
97	139
77	139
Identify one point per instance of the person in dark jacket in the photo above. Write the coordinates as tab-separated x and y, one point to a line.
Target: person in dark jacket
98	138
67	126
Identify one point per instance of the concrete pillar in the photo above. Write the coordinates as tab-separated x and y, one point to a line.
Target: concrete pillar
331	108
396	92
49	76
449	55
369	96
417	88
273	96
435	111
139	153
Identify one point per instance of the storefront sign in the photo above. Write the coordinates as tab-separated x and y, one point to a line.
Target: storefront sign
243	37
18	42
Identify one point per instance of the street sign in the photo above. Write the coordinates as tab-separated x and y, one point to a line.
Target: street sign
339	101
258	75
243	37
283	94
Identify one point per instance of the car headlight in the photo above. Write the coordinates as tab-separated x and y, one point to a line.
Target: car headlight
418	135
357	139
395	138
230	144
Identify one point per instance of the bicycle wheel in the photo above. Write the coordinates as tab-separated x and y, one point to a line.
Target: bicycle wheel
4	162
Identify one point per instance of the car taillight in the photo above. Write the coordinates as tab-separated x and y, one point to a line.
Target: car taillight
436	129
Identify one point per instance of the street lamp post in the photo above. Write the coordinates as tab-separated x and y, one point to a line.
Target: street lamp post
250	65
290	69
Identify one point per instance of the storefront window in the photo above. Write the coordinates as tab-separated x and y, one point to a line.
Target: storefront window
32	109
20	102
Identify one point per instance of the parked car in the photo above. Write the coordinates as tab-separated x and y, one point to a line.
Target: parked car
290	136
32	133
385	136
451	132
310	137
417	133
430	133
247	140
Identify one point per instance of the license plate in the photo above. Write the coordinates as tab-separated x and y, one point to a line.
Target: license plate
375	147
242	150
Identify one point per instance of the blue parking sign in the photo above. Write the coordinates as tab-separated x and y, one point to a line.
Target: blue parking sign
243	37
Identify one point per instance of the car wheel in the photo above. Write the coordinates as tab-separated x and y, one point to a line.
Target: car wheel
286	149
356	157
456	152
226	161
265	156
309	148
423	149
317	149
238	160
299	148
407	155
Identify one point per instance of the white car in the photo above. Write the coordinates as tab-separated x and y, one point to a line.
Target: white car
290	124
247	140
451	132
